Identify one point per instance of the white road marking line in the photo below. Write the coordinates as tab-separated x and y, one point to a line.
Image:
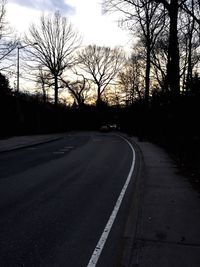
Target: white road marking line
63	150
99	247
32	148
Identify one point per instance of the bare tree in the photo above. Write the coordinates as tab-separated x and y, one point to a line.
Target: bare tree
55	42
173	68
159	60
102	64
193	10
173	7
146	19
44	80
2	17
185	48
113	96
7	45
78	89
190	42
131	79
151	21
190	33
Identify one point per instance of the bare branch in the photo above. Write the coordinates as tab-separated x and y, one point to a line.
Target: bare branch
55	42
102	64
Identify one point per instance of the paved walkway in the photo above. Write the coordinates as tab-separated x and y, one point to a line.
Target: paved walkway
168	227
17	142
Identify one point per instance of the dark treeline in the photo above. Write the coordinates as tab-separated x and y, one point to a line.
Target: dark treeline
24	113
171	122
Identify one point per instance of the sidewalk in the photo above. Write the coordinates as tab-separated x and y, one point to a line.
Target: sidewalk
18	142
168	224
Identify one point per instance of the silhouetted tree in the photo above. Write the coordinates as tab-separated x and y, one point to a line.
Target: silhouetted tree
7	45
55	42
173	70
44	80
78	89
151	21
190	41
193	10
194	85
102	64
4	85
131	79
159	61
113	96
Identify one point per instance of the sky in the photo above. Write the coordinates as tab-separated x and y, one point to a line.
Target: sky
85	15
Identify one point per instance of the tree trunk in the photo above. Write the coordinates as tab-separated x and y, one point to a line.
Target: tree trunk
98	96
148	58
189	69
56	90
173	75
147	76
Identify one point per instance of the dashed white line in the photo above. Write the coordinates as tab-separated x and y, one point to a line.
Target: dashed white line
32	148
99	247
64	149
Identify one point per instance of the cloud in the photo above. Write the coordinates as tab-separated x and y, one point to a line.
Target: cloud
85	15
45	5
95	27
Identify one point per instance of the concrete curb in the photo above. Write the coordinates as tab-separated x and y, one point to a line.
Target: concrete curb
131	226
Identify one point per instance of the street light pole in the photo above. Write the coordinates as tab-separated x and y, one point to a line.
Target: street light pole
18	69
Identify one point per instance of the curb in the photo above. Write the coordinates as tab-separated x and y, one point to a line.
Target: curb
132	223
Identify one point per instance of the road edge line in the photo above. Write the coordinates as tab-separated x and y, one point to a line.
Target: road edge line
100	245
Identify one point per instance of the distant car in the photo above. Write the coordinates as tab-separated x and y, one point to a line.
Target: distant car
104	128
112	126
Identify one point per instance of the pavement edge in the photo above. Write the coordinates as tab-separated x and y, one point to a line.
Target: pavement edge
129	255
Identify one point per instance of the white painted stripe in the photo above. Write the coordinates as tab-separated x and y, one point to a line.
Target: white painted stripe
99	247
64	149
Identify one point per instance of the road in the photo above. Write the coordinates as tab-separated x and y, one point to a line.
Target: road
56	198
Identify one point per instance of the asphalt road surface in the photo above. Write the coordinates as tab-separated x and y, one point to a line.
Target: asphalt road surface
56	199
